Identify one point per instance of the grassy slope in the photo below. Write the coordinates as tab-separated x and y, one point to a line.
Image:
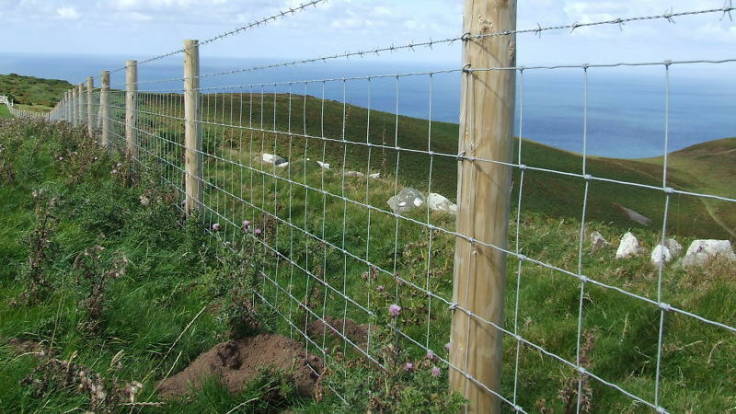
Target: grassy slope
547	193
29	90
712	168
4	112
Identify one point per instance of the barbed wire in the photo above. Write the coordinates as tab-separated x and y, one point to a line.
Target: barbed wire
669	17
240	29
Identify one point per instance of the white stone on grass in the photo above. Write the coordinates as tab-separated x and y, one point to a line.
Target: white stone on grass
597	241
628	247
661	255
273	159
407	199
323	165
702	252
438	202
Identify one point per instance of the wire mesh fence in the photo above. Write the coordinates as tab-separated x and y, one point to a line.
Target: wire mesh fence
344	205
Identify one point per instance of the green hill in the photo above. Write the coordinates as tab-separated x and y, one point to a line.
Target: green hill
703	169
28	90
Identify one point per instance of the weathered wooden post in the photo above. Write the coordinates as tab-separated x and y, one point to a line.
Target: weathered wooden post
105	104
90	113
192	134
80	105
131	108
74	107
484	189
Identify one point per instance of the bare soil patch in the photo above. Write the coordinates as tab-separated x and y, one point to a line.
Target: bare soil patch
236	363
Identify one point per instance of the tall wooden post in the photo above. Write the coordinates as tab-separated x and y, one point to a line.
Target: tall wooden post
74	107
484	190
105	104
131	108
90	113
80	105
192	135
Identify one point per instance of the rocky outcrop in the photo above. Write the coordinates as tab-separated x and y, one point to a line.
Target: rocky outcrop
438	202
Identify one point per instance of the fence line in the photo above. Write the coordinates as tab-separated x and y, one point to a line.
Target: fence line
337	252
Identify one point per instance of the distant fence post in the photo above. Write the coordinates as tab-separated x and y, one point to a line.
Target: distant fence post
105	104
192	135
131	108
90	114
484	190
74	106
80	104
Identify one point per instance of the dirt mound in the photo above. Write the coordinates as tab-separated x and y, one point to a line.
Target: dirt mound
236	363
356	332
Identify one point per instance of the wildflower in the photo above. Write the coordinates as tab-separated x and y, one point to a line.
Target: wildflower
258	232
409	367
145	201
246	225
380	288
216	227
114	171
447	347
394	310
436	372
431	356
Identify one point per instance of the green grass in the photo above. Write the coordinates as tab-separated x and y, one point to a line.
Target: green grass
4	112
170	279
544	192
31	91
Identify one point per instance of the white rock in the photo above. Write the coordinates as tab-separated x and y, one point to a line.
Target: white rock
628	247
375	176
674	247
323	165
406	200
438	202
701	252
354	174
598	241
661	255
283	165
273	159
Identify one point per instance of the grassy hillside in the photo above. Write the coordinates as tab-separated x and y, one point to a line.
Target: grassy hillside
544	192
31	91
150	324
4	112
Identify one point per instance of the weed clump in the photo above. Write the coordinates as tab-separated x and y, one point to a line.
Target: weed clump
40	245
94	275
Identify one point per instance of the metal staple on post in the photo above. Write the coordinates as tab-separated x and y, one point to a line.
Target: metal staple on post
105	108
192	134
486	123
131	108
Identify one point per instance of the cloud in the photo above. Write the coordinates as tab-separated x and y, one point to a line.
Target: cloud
67	13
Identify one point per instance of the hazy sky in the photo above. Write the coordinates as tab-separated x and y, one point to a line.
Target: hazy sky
141	28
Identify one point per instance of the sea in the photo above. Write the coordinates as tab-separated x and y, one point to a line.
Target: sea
617	112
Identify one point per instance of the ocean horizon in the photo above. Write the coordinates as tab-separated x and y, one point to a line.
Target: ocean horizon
626	107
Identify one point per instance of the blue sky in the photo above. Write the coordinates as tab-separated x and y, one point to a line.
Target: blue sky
141	28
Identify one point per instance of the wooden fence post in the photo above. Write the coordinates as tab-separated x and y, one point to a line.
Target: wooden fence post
80	104
90	114
484	190
192	134
131	108
105	104
74	107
